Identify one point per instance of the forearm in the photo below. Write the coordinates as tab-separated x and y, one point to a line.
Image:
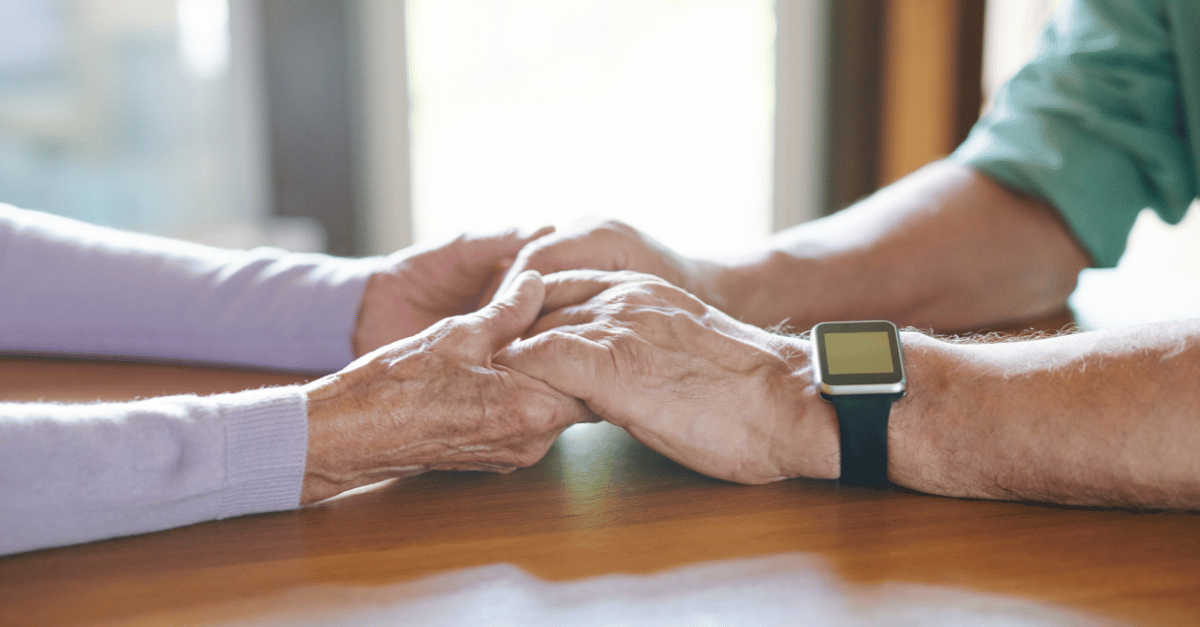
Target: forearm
71	287
1101	418
945	248
77	473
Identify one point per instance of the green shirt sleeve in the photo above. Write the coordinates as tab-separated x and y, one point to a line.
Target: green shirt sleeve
1093	124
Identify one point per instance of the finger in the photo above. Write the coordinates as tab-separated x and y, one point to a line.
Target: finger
503	245
568	363
507	317
488	258
571	411
567	320
573	287
563	251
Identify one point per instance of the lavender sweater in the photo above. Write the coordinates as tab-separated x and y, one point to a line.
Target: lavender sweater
76	473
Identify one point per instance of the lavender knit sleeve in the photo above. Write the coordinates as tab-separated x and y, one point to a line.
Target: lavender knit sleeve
77	473
74	288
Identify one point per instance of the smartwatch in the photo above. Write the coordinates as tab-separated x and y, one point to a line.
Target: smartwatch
860	371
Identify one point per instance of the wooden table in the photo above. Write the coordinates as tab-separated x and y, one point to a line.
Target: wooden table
599	503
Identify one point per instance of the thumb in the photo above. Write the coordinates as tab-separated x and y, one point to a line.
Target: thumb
511	313
487	250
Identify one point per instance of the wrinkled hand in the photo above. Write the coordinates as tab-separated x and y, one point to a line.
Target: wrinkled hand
721	397
436	402
421	285
611	245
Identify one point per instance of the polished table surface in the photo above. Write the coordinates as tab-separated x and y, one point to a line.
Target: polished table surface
598	504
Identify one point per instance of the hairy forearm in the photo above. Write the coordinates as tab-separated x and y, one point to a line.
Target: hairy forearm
945	248
1100	418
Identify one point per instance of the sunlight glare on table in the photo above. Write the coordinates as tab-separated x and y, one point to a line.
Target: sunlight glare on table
788	589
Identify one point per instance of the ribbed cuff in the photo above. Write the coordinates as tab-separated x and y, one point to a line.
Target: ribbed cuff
266	446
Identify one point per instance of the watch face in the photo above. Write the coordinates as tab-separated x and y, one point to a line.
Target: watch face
858	353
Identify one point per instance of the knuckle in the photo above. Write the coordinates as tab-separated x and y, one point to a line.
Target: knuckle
556	342
674	296
620	334
458	328
639	290
494	311
444	330
459	333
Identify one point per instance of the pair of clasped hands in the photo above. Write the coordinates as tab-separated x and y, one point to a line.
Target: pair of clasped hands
600	323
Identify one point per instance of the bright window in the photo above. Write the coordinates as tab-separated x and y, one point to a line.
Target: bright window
655	112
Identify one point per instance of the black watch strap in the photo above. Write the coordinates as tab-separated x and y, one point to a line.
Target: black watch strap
863	428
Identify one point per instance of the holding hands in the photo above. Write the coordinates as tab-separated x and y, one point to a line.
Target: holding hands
421	285
674	362
716	395
436	401
492	389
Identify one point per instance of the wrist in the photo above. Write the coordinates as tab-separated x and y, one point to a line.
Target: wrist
321	476
766	288
730	285
361	428
375	311
707	280
343	434
812	440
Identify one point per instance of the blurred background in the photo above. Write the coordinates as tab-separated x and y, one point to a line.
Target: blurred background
360	126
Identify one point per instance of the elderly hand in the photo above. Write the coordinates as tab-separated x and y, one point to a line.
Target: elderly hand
721	397
421	285
611	245
436	402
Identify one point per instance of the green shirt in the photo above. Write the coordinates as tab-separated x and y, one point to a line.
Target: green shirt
1098	122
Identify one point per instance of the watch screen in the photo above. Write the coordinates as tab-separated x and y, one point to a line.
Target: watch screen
858	353
866	352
